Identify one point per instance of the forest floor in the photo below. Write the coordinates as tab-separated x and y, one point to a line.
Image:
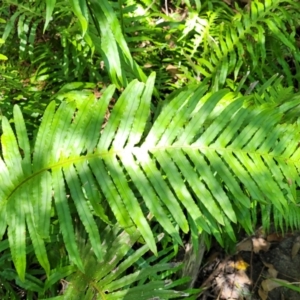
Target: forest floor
261	269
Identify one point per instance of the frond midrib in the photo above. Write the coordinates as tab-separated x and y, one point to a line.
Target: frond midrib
119	152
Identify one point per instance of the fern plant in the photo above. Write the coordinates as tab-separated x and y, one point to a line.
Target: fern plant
205	162
233	41
122	274
104	279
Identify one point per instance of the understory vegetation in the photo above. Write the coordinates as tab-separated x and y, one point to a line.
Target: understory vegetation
132	131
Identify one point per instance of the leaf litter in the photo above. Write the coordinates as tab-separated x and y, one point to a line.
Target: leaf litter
265	266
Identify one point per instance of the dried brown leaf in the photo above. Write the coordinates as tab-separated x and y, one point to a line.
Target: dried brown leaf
271	270
245	245
269	284
296	247
233	285
274	237
260	244
262	294
260	232
172	70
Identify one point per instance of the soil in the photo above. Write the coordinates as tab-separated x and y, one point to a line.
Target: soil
260	269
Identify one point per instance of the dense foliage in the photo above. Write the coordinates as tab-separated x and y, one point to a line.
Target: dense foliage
132	128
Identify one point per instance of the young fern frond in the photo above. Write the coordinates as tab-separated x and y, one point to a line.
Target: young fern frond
106	279
206	158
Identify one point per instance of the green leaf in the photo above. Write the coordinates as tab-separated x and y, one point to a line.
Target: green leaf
16	210
41	202
50	4
83	210
64	217
10	151
153	203
43	143
130	202
80	10
23	140
3	57
38	244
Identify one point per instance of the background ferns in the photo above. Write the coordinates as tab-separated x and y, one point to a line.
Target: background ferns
240	42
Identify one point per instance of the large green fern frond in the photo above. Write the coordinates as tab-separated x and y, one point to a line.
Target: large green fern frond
206	158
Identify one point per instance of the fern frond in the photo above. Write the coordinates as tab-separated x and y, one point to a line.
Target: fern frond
105	20
104	279
245	40
207	158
